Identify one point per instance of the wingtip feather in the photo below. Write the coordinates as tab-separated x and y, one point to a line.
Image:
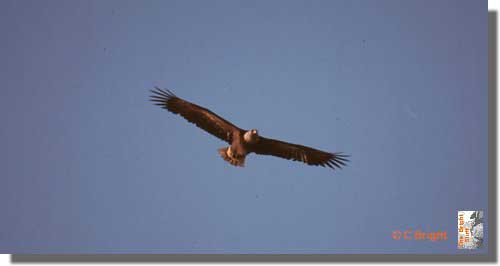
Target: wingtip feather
160	96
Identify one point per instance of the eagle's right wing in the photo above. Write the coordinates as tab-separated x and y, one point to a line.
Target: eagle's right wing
298	152
201	117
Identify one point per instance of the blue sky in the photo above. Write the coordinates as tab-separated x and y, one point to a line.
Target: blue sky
88	164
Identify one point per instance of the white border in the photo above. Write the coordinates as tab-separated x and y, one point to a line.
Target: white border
5	258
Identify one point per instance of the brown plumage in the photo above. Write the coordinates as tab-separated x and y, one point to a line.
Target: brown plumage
300	153
242	142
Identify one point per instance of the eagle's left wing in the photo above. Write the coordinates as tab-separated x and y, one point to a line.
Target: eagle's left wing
301	153
200	116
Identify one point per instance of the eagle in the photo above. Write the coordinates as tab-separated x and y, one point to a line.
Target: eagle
243	142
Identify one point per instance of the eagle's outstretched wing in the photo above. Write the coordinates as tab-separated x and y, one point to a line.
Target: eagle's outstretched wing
201	117
301	153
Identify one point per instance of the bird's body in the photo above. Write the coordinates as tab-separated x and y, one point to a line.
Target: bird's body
235	153
243	142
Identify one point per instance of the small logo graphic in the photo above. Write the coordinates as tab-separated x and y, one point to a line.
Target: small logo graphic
470	229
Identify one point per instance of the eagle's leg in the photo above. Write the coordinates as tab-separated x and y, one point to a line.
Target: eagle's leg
228	155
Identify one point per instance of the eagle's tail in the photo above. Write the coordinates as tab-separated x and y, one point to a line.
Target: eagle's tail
232	158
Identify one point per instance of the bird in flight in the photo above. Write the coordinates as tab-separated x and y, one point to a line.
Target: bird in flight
243	142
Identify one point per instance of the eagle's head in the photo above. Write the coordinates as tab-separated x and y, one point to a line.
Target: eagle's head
251	136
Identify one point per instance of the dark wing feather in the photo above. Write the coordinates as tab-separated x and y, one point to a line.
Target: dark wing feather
201	117
301	153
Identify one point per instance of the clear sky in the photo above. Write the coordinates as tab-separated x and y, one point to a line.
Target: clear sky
88	164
